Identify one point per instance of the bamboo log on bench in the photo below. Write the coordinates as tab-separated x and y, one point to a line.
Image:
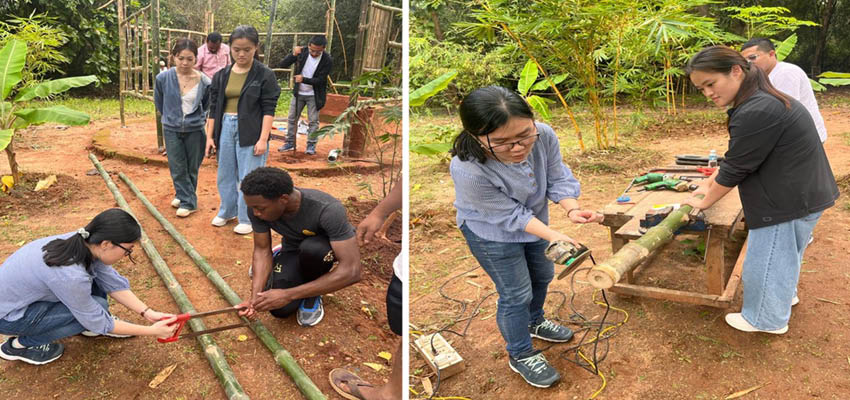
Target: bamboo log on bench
607	273
214	354
281	355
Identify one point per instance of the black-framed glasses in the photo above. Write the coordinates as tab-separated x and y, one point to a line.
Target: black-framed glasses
505	147
128	252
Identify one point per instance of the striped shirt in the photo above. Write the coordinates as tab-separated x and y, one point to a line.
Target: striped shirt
497	200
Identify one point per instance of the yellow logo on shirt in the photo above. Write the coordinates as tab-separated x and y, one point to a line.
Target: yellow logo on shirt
308	233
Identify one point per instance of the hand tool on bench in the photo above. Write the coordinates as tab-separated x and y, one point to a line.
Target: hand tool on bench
701	170
567	254
690	159
183	318
667	184
641	180
655	215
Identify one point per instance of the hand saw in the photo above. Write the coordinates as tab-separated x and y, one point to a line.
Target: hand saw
183	318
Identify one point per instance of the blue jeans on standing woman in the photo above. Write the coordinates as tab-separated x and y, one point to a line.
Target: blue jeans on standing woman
185	154
772	269
522	275
47	321
234	163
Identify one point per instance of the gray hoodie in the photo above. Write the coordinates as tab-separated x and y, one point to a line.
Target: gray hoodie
166	97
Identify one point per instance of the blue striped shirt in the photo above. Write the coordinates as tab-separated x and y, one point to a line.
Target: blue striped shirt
497	200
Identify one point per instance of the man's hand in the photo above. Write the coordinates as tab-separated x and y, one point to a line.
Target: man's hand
368	227
246	310
272	299
585	216
296	50
299	78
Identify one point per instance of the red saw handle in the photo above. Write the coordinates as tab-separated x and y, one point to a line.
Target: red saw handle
181	320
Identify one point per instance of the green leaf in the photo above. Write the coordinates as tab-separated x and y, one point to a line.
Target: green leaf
527	77
544	84
785	48
13	56
419	96
835	82
539	104
59	114
817	87
431	149
830	74
45	89
5	137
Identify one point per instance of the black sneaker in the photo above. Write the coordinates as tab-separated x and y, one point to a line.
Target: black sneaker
310	312
551	332
535	370
36	355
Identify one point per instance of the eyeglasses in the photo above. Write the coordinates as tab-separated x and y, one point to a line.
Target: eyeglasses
128	252
505	147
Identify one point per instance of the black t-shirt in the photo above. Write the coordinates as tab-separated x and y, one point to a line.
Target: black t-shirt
777	160
319	214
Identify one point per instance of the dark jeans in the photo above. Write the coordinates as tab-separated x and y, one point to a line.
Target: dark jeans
185	154
46	321
522	274
313	259
394	306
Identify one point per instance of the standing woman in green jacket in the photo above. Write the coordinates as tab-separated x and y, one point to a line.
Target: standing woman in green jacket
243	97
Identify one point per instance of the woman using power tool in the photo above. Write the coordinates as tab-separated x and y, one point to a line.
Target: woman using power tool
506	168
776	160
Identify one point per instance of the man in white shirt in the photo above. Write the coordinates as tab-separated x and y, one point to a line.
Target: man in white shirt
788	78
311	76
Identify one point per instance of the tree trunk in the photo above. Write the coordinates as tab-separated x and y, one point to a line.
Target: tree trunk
281	356
214	354
438	32
823	33
13	165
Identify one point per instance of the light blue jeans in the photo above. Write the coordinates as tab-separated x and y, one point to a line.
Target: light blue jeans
234	163
772	269
522	275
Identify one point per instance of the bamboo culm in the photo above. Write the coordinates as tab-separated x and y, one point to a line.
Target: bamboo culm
214	354
281	355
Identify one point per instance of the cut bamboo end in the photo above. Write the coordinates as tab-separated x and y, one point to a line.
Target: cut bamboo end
603	277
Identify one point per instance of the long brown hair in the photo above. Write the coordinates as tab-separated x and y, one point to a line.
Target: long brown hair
721	59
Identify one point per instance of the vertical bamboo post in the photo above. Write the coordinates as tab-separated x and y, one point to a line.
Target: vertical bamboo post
360	44
329	26
122	59
214	354
146	73
267	53
160	142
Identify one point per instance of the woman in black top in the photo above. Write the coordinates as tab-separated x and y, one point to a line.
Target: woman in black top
243	97
776	159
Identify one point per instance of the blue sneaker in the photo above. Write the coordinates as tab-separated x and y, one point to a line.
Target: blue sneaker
311	149
550	332
287	147
35	355
310	312
535	369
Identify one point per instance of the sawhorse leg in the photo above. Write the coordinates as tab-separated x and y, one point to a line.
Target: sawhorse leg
715	263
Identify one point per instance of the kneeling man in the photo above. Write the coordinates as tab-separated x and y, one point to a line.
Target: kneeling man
316	235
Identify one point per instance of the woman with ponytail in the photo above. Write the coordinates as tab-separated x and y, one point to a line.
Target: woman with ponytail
776	160
55	287
506	168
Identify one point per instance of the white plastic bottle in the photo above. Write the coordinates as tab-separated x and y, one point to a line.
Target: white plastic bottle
712	159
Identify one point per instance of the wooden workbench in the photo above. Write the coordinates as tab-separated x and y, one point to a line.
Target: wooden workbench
724	218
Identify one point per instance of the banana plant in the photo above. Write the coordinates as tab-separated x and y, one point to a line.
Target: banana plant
14	113
418	98
527	84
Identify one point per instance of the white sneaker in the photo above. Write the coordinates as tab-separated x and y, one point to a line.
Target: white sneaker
243	229
175	203
737	321
811	239
794	301
218	221
112	335
183	212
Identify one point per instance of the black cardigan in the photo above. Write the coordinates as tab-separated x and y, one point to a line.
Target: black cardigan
319	81
777	160
258	98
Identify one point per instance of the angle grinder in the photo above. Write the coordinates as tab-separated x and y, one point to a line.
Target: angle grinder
567	254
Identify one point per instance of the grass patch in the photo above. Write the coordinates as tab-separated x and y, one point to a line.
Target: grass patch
100	108
614	160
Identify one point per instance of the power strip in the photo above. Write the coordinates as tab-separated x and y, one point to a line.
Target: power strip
446	361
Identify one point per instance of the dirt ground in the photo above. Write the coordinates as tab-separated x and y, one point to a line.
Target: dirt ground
666	350
353	331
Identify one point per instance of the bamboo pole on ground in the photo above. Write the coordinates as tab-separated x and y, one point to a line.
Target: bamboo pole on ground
281	355
607	273
214	354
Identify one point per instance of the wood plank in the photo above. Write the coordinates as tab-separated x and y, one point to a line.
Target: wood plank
715	260
679	296
735	277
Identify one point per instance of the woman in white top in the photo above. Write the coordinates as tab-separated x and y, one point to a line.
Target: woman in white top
180	95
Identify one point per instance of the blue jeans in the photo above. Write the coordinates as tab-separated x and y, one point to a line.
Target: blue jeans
772	269
296	106
185	154
522	275
234	163
46	321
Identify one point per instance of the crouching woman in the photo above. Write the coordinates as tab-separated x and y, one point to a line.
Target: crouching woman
55	287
